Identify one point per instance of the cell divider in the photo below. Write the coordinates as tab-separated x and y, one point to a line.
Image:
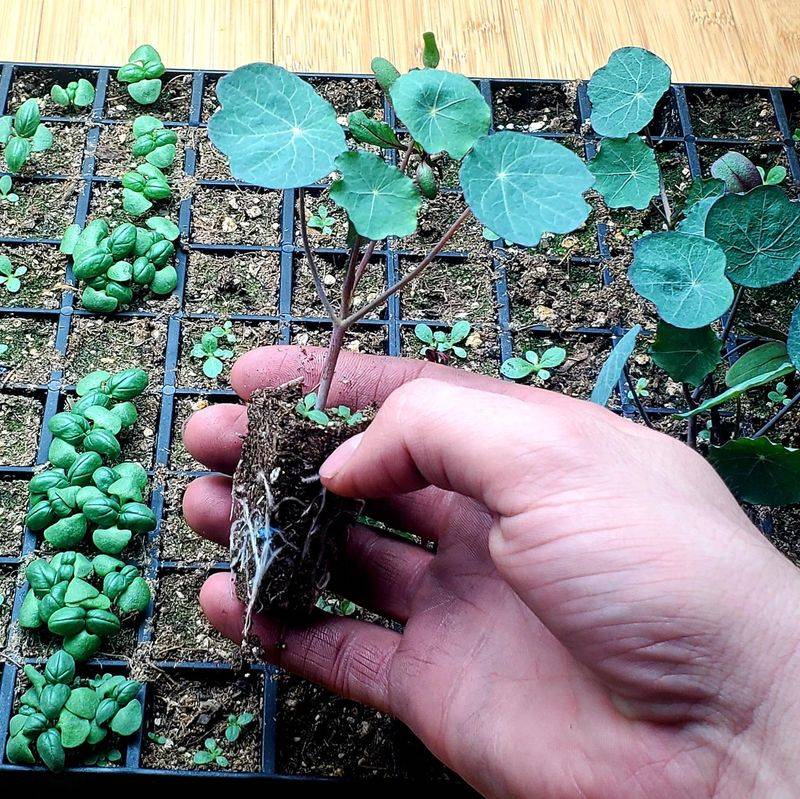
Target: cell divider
786	131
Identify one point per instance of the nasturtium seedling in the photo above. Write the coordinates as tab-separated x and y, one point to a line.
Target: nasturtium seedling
761	360
534	364
737	172
142	74
626	172
6	193
76	94
440	343
23	134
153	142
10	275
683	275
624	92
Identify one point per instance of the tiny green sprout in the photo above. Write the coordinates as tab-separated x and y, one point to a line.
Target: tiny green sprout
778	395
322	220
3	349
337	605
225	331
438	344
5	190
23	134
705	434
212	354
77	93
235	723
306	410
534	364
210	754
490	235
640	388
158	739
10	275
775	176
103	758
350	418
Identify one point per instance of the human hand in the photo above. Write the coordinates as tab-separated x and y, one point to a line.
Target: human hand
600	619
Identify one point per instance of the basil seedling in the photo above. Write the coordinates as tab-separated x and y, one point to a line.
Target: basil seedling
23	134
77	94
154	142
142	74
10	275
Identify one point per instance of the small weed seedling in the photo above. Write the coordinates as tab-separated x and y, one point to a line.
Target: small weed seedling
439	344
337	606
3	349
534	364
307	409
142	74
76	94
10	275
209	350
639	389
211	753
775	176
23	134
233	729
158	739
153	142
6	195
778	395
322	220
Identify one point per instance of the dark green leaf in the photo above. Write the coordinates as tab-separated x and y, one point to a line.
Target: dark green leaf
793	341
758	361
687	356
366	130
702	189
430	52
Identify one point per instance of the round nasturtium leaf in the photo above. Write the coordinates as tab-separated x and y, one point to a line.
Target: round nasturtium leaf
379	199
759	471
522	186
694	222
274	128
626	172
624	92
759	232
442	110
683	275
736	171
687	356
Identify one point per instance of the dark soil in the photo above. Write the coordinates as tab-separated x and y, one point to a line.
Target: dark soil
178	542
536	107
351	94
785	533
211	163
239	283
209	103
578	374
370	339
482	346
115	344
173	105
44	209
236	216
31	353
181	629
734	114
450	289
249	335
332	269
559	295
186	712
20	421
114	157
184	408
106	203
37	83
277	490
435	217
8	584
772	306
666	119
45	279
663	392
322	734
63	158
13	505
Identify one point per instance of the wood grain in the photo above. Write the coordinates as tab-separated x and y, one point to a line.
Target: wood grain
714	41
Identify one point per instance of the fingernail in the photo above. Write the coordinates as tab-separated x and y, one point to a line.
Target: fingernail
339	457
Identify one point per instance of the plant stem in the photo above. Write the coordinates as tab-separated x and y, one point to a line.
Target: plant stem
778	416
329	365
312	264
691	429
637	400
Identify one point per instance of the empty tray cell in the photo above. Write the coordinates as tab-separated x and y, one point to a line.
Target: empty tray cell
31	353
184	710
535	107
37	82
233	283
13	507
45	278
21	422
332	268
482	348
249	335
369	339
236	216
722	113
350	94
172	105
44	210
8	585
449	289
211	163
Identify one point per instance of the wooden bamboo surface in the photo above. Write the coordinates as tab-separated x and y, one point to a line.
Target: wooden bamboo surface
711	41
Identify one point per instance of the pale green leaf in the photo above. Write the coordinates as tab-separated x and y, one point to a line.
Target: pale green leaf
612	368
626	172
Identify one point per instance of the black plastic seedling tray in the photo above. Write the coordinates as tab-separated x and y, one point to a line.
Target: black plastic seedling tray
53	392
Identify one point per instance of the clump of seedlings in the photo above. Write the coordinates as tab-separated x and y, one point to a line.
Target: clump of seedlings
10	275
62	716
208	349
142	74
322	220
82	492
23	134
76	94
440	344
142	187
153	142
81	600
277	132
114	263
